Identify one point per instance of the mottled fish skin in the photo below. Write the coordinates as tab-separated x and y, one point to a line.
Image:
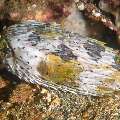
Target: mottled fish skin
45	54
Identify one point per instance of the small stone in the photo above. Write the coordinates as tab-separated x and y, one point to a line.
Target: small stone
54	103
104	20
34	6
81	6
76	1
96	14
34	90
48	97
43	91
3	83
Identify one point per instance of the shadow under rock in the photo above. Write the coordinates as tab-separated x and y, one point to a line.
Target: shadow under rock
6	91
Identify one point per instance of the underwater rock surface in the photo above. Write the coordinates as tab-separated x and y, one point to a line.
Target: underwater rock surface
44	54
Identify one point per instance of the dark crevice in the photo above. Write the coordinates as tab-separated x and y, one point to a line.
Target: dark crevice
6	91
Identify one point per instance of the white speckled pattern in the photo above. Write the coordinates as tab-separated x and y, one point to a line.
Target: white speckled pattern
31	44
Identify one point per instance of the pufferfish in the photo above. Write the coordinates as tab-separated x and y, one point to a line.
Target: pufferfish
45	54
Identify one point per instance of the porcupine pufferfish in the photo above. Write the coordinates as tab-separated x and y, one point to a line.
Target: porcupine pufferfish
45	54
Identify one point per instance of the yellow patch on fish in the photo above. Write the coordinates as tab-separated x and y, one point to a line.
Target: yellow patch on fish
49	33
56	69
104	88
115	77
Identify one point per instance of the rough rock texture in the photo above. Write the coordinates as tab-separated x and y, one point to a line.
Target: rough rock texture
112	7
47	55
41	10
45	104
